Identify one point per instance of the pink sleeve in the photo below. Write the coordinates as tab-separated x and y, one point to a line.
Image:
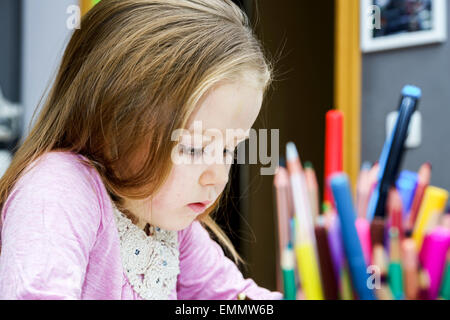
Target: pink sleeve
207	274
50	222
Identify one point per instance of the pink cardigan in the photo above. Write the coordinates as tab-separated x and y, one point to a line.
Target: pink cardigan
60	241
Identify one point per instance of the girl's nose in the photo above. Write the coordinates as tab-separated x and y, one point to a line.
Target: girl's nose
215	174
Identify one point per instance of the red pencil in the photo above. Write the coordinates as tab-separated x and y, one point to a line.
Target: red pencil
422	184
395	210
333	149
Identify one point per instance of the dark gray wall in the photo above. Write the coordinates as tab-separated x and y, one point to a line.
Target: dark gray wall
10	52
384	74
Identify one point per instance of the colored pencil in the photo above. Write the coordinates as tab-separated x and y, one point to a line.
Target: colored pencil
328	276
305	245
288	268
410	268
434	201
313	189
395	211
363	189
395	268
422	184
281	184
334	130
342	195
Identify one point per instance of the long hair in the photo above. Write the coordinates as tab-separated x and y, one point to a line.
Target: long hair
133	73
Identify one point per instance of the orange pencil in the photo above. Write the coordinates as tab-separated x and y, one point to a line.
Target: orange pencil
410	269
313	189
363	190
422	183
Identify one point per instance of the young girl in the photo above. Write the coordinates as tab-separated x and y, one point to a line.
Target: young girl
94	205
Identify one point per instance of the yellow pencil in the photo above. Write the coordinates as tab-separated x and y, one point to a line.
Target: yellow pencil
434	201
305	246
309	270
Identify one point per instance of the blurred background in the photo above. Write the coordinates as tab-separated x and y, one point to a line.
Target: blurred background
319	66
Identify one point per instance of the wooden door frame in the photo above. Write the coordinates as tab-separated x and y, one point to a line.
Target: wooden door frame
85	6
348	81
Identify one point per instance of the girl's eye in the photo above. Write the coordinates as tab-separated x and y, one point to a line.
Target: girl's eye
190	151
230	153
197	152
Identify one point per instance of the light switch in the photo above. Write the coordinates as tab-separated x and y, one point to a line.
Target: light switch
414	138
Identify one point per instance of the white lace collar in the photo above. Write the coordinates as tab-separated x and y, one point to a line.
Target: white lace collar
151	263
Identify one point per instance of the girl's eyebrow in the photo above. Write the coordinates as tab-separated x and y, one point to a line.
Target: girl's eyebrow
242	137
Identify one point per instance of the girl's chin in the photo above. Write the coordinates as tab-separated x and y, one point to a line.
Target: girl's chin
180	220
182	223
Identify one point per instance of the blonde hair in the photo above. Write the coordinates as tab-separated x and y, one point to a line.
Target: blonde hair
133	73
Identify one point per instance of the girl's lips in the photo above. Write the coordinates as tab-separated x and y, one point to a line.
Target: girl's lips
198	207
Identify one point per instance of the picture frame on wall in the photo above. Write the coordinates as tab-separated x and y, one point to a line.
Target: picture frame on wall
393	24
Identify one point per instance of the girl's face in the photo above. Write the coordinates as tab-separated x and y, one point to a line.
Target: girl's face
226	113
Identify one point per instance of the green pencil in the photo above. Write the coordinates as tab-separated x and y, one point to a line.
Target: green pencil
445	287
395	268
288	269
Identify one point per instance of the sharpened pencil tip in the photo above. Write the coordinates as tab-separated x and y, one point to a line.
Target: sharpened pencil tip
291	151
309	165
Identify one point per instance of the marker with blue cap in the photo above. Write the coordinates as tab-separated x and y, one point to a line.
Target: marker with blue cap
393	151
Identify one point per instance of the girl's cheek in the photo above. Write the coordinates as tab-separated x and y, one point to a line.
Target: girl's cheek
170	194
177	190
188	175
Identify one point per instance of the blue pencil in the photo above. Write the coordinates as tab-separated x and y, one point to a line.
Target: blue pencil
352	247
